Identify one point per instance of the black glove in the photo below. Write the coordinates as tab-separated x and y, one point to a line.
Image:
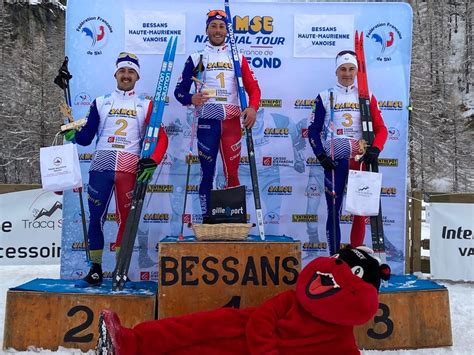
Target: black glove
371	155
63	77
326	162
146	168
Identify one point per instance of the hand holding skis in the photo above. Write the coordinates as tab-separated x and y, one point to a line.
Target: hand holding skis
371	156
199	98
326	162
146	169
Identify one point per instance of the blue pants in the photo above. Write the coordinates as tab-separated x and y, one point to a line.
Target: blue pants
102	185
358	222
341	172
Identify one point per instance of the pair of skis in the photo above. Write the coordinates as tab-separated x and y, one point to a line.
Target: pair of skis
120	274
376	222
248	131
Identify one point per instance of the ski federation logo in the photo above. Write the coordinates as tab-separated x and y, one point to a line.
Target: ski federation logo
95	32
313	191
82	99
271	218
77	217
393	134
383	39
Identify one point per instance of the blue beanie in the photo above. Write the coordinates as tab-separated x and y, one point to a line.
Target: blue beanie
216	15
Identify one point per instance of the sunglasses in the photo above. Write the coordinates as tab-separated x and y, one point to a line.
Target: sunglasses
340	54
127	55
216	12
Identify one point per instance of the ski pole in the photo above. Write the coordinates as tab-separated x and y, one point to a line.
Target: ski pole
333	174
248	131
62	80
191	143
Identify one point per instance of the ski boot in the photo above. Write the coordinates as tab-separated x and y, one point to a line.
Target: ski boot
93	278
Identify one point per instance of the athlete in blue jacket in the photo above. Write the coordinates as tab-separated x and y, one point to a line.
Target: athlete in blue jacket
347	134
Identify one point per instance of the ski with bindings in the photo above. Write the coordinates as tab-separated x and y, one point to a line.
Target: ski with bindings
248	132
376	222
119	276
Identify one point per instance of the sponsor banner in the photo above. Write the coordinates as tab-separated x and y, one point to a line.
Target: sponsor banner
291	72
451	241
30	228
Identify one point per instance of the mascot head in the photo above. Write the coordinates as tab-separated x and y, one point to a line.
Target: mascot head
342	289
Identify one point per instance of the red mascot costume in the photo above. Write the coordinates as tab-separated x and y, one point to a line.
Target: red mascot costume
333	294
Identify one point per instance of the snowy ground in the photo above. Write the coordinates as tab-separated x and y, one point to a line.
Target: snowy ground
461	296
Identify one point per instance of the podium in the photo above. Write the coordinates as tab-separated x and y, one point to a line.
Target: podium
412	314
48	313
203	275
198	276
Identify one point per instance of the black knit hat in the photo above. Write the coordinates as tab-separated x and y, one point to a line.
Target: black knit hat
364	264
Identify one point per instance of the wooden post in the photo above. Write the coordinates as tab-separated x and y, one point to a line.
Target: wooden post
6	188
415	222
408	240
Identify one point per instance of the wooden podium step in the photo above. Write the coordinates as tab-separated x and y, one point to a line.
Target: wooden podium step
197	276
412	314
47	313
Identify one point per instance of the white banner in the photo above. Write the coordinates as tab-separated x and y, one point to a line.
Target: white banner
147	32
451	241
290	177
30	228
323	36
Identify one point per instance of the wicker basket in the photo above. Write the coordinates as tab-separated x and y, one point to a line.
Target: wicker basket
222	231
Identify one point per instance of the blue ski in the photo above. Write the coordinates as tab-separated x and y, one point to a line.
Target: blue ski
243	106
120	274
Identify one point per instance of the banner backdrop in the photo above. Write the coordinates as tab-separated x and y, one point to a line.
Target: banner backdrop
30	228
291	47
451	247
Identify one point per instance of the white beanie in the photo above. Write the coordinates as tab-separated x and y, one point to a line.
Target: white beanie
128	60
346	58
